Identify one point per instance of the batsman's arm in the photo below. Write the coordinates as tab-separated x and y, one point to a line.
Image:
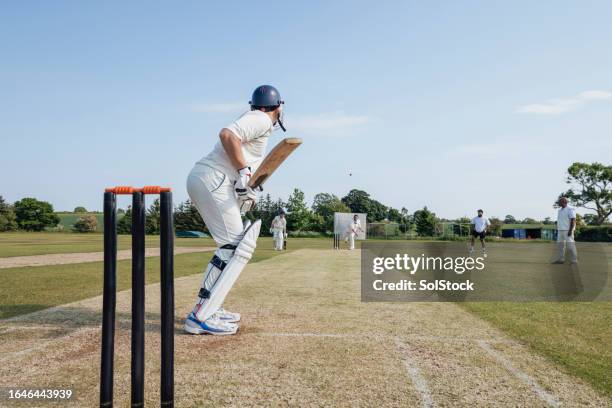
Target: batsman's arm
233	147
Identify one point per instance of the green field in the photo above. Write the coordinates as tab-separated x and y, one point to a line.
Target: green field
576	336
39	243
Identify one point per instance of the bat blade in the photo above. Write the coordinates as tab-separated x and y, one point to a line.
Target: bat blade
273	160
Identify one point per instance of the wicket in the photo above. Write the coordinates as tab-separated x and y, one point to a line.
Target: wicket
336	241
138	294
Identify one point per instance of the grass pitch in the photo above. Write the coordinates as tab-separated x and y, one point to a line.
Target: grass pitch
306	339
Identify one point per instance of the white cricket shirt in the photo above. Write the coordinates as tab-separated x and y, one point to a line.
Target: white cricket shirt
563	218
253	128
280	223
480	223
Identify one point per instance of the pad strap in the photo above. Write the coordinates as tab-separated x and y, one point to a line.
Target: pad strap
218	262
204	293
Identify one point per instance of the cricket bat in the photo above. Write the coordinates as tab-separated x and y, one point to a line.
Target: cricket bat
273	160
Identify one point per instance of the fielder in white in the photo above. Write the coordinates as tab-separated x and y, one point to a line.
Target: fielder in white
480	224
353	229
566	225
279	230
218	187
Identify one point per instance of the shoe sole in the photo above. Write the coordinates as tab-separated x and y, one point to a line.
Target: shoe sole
199	330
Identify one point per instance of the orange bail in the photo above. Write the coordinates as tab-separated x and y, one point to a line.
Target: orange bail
155	189
144	190
121	190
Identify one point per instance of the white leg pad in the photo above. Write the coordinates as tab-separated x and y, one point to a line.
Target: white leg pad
230	273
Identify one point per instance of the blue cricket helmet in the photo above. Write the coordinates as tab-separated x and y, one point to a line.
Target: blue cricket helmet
267	96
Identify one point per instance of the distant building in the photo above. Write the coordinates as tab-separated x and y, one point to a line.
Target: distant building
530	231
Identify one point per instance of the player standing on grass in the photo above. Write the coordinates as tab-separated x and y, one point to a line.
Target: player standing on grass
479	229
218	186
566	225
279	230
353	231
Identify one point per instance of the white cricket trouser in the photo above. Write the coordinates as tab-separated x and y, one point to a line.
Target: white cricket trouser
278	237
212	193
352	240
565	240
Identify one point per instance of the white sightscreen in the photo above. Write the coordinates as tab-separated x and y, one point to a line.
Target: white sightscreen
343	223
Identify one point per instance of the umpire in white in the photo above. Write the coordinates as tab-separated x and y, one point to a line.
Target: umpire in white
566	225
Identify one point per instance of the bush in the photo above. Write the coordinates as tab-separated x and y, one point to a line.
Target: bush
7	216
601	233
86	223
80	210
34	215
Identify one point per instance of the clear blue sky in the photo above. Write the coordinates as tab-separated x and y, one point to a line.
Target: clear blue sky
453	105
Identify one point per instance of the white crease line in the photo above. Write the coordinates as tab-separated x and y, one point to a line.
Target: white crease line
371	336
309	335
544	396
419	382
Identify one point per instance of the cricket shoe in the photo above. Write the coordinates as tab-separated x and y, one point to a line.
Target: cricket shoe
227	316
213	325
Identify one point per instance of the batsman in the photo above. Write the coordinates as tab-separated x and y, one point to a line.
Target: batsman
219	187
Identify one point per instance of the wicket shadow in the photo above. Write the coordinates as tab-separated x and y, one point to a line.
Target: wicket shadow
74	318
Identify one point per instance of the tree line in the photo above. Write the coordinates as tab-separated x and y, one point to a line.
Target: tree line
589	188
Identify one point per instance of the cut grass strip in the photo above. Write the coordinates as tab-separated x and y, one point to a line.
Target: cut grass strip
575	335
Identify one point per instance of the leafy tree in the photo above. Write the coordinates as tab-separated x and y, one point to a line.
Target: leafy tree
34	215
299	214
495	228
360	202
7	216
590	219
325	205
80	210
378	211
405	220
187	218
318	223
548	221
510	219
393	214
86	223
124	225
463	220
265	210
425	222
153	220
529	221
591	188
579	222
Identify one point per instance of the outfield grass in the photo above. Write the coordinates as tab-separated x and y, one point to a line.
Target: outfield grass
577	336
27	289
40	243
